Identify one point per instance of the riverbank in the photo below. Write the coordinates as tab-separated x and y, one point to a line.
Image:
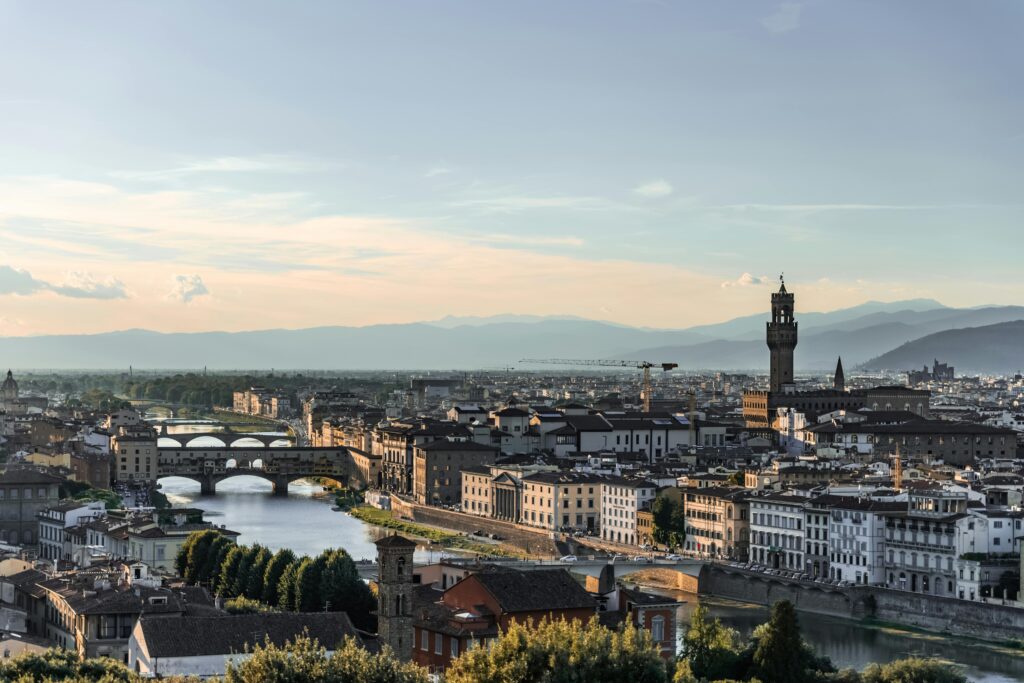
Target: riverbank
445	539
243	423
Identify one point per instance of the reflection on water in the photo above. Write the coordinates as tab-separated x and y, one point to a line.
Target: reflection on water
849	644
303	521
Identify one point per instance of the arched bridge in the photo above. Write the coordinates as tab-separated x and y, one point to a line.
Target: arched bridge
227	437
280	466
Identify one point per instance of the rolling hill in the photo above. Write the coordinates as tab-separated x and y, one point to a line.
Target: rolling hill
997	349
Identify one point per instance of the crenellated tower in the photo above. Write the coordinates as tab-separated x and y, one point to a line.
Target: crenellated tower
781	338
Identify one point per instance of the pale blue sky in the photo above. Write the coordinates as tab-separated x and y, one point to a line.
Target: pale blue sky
405	160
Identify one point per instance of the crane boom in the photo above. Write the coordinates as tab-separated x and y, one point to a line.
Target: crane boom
645	365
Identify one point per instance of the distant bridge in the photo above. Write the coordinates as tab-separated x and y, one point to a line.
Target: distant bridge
688	567
280	466
227	437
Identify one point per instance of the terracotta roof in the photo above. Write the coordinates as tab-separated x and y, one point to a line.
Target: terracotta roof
538	590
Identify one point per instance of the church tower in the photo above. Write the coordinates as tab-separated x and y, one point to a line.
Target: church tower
781	338
839	380
394	594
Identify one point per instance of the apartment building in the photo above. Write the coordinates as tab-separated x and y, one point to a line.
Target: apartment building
437	467
562	500
857	537
778	530
717	523
621	501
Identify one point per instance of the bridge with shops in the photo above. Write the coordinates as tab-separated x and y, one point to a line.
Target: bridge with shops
280	466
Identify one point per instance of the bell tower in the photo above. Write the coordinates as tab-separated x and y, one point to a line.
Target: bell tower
394	594
781	338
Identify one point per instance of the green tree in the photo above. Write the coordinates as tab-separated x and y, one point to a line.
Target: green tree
254	587
661	510
307	585
286	586
280	562
305	660
710	650
913	670
780	655
198	552
209	573
241	582
229	571
562	652
342	590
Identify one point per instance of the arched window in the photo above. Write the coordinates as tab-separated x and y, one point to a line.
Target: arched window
401	567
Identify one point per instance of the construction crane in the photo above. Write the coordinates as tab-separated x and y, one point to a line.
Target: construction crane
645	391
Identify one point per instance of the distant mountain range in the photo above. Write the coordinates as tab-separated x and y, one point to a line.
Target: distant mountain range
896	335
993	349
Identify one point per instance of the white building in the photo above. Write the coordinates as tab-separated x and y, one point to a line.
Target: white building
620	500
54	520
857	537
777	531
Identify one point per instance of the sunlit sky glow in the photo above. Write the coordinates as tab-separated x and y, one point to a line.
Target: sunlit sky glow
186	166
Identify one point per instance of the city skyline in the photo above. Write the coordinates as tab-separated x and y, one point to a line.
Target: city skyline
652	164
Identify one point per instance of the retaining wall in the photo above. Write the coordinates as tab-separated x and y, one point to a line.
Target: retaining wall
528	540
929	612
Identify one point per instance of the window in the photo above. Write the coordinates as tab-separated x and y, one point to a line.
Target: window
658	629
454	649
438	642
424	641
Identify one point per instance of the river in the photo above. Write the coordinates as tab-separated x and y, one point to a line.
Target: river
305	523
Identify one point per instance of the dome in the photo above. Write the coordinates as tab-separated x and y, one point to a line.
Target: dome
9	389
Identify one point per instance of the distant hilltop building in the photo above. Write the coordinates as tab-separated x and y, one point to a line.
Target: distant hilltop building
941	372
760	407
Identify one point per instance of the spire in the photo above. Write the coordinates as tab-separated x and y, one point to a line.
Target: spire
782	283
839	381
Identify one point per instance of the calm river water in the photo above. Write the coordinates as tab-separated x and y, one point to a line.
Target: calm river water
305	523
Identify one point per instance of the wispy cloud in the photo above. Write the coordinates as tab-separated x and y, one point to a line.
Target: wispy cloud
518	203
186	288
435	171
522	240
747	280
81	285
654	189
77	285
785	18
263	163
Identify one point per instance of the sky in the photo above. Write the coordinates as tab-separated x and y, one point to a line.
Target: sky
189	166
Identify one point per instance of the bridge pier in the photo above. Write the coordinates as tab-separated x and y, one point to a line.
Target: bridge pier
207	486
280	486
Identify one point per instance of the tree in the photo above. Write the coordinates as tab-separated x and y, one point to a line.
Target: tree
286	586
710	650
562	652
254	587
198	552
736	479
241	580
307	585
280	562
342	590
306	660
913	670
661	510
229	572
780	655
209	573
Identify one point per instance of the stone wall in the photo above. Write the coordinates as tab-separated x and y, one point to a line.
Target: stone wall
528	540
929	612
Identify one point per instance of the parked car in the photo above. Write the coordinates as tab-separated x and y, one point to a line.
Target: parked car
568	558
674	558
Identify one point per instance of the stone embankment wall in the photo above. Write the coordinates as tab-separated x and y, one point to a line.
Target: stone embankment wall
527	540
929	612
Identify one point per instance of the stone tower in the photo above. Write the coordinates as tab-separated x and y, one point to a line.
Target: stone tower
839	380
781	338
394	594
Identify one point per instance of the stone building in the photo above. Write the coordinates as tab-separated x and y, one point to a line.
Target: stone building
437	467
24	493
760	408
395	594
